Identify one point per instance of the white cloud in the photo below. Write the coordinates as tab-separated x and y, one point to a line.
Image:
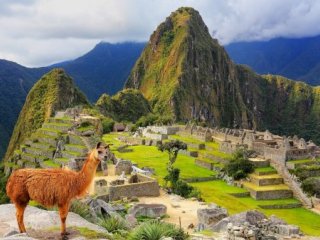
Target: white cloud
40	32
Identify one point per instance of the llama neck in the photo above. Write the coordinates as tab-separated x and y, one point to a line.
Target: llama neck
86	175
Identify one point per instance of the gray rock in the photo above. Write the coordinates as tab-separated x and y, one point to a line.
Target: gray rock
19	236
149	210
288	230
123	166
11	232
276	221
210	216
252	217
36	218
100	207
131	220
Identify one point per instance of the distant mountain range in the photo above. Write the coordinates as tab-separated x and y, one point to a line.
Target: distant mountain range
297	59
104	69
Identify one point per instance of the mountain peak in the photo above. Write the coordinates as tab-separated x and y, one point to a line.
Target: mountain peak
179	53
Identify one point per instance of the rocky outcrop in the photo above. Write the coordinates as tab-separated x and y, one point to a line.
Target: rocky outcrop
39	219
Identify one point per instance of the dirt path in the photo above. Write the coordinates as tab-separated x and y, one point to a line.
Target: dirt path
177	207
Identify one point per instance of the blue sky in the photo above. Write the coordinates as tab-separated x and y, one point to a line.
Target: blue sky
41	32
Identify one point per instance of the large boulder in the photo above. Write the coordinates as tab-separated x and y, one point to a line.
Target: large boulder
207	217
39	219
252	217
148	210
100	207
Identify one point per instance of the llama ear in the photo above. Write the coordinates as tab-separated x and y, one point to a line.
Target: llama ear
108	146
98	145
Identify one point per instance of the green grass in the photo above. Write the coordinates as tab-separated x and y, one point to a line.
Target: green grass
50	163
218	192
302	161
266	188
265	169
112	138
150	156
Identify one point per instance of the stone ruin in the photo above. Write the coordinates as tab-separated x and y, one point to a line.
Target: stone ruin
265	144
129	182
251	225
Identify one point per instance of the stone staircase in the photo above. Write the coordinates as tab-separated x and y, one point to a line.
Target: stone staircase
51	146
292	183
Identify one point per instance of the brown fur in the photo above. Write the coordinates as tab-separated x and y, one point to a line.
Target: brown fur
51	187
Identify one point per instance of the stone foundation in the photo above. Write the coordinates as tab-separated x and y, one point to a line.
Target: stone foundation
145	187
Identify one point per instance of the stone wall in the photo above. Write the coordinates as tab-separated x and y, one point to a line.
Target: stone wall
228	147
168	130
149	187
132	140
265	195
276	154
204	164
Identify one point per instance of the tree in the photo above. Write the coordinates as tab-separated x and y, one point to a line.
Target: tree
172	147
178	186
239	166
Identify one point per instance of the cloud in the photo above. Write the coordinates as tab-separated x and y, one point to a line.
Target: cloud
38	32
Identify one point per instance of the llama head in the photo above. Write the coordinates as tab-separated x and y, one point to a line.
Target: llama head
100	152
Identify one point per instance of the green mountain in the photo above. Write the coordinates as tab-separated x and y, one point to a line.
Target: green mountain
126	105
54	91
186	74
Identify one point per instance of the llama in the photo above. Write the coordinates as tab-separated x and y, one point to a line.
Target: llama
51	187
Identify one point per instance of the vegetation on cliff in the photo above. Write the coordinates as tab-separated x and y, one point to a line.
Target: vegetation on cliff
54	91
127	105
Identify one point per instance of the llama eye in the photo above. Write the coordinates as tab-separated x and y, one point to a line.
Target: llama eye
100	152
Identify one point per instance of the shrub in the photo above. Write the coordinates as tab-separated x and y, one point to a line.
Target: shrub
85	124
81	209
3	182
107	125
156	230
147	120
182	188
114	224
305	172
239	166
312	186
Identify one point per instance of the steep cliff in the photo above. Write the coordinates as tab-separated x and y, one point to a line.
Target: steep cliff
185	73
54	91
